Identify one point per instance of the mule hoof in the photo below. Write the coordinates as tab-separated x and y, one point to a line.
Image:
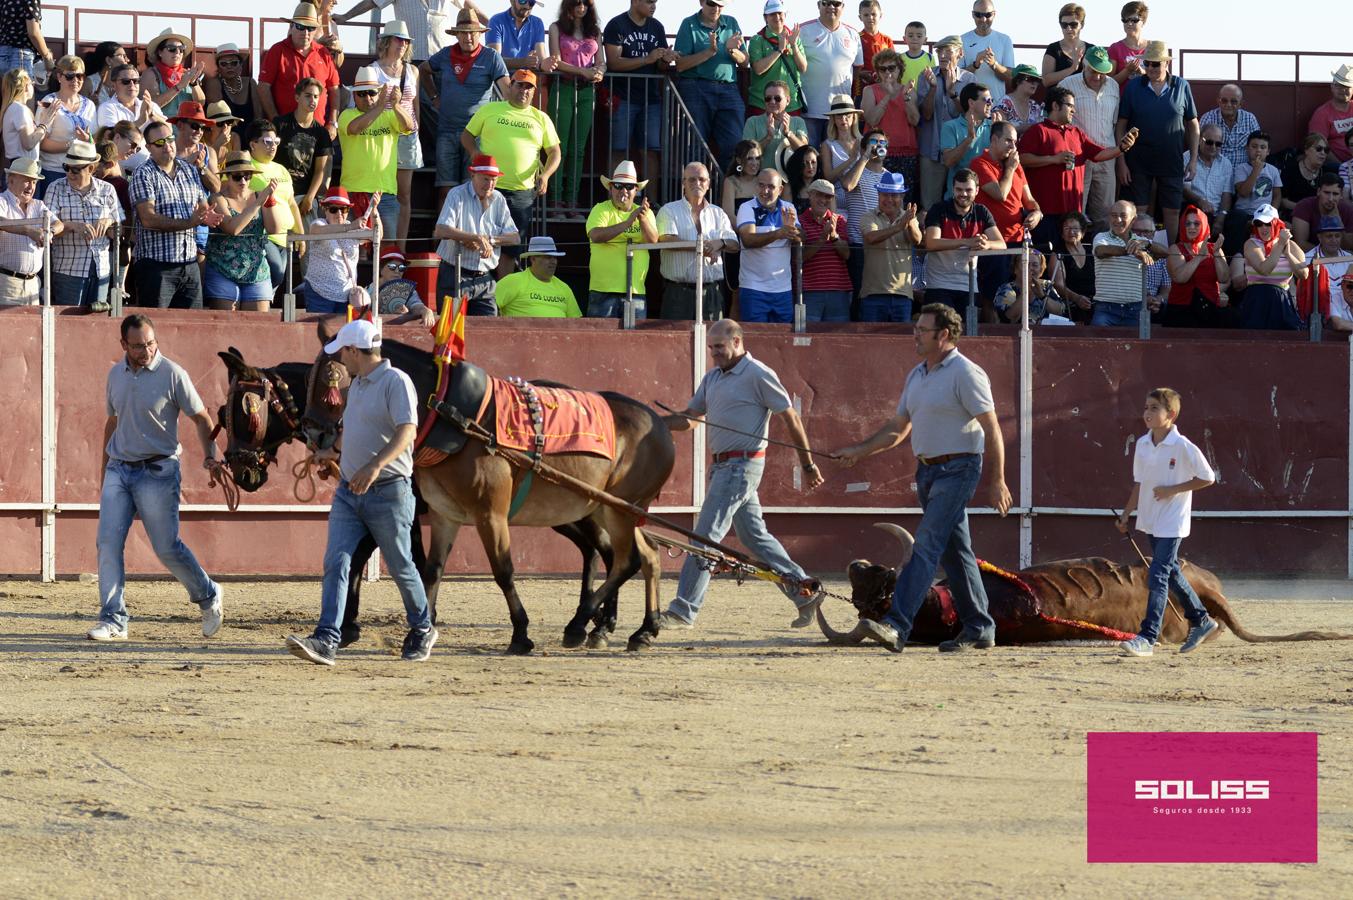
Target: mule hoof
574	639
598	640
522	647
640	639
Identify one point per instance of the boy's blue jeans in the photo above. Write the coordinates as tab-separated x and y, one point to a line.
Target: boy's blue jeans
1165	575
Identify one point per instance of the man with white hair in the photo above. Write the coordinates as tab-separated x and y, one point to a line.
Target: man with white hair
1235	123
21	245
86	208
1096	94
474	225
1212	187
684	220
1119	258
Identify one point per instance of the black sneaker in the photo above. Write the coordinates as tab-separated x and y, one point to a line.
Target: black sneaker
311	649
418	644
966	642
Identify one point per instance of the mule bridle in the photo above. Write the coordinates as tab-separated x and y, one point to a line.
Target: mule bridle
276	395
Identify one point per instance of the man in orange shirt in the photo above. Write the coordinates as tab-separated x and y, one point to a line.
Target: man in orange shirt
1003	189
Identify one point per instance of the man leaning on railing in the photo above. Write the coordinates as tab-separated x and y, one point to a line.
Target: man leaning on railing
21	241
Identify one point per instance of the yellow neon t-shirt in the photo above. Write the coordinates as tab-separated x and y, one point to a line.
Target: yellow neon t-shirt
523	295
514	138
607	263
267	171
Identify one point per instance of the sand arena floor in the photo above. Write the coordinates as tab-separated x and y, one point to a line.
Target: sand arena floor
743	758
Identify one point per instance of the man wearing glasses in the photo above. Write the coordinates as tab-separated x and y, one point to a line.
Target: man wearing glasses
519	37
989	54
263	145
1212	187
711	48
1236	124
834	50
1160	107
775	128
610	226
170	204
776	54
294	58
129	103
947	409
86	207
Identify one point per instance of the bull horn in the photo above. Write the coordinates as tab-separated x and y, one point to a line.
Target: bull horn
840	638
903	537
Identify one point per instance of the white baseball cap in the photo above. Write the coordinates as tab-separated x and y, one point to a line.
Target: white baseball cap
358	333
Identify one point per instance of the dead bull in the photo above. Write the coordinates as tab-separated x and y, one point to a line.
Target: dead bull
1070	599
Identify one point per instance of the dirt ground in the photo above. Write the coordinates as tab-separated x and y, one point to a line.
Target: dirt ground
743	758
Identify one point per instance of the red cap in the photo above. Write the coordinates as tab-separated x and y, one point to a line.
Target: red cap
337	196
483	164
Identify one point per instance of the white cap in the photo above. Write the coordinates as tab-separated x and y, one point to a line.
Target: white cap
773	6
358	333
1265	213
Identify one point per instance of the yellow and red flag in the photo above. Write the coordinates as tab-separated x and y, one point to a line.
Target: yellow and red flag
449	332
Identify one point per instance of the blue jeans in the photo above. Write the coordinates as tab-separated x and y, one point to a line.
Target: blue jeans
958	300
277	265
167	285
817	131
312	301
942	538
731	502
827	306
479	288
16	58
603	305
74	290
766	306
451	161
519	205
385	512
716	108
150	491
885	308
1165	576
637	124
1115	314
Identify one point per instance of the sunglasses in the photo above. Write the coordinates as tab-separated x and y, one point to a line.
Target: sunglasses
1321	149
173	48
1072	24
887	69
624	187
228	61
978	15
305	28
160	142
831	5
1132	20
396	267
1211	143
774	98
336	209
195	126
73	76
1153	65
79	168
267	142
240	176
129	81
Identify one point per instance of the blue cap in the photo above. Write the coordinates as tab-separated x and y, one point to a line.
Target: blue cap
892	183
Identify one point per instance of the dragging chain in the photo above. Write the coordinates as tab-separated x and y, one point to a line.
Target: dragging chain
717	563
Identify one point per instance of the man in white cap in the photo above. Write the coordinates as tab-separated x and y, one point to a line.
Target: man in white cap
21	245
612	224
374	496
86	207
295	57
475	224
536	292
368	134
1334	118
684	220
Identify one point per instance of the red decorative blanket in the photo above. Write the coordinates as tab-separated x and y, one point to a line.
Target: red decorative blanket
573	421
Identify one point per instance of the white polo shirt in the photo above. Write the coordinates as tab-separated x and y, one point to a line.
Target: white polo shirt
832	57
1174	460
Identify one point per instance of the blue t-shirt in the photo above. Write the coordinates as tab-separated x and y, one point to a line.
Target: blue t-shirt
512	41
953	133
461	101
1159	121
635	42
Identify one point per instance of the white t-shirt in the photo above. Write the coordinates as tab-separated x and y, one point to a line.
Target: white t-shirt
832	56
63	129
1001	45
1174	460
112	111
332	269
765	268
17	115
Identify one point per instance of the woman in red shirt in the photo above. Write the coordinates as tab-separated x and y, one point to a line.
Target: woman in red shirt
890	106
1199	276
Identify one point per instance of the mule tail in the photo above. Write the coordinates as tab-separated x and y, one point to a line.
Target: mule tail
1223	612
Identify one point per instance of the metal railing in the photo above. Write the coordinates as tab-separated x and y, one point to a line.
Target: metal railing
372	234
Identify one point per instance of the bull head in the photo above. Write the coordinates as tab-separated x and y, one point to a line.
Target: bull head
871	588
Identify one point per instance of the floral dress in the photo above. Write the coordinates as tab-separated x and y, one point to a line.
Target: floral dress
240	257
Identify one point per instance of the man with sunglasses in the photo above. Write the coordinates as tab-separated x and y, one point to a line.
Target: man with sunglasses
190	126
295	57
612	224
990	55
1160	107
775	129
1236	124
86	207
263	146
711	48
834	51
1212	187
519	37
170	204
129	103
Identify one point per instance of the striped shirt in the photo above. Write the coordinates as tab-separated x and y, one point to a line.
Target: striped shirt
1280	276
1118	279
175	195
1235	137
72	253
1096	111
862	201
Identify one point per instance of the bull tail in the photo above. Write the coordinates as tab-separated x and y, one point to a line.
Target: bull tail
1221	609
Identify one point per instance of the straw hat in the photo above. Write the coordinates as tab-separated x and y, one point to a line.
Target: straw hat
841	105
396	28
228	50
305	14
1156	51
28	168
220	114
467	20
1343	75
365	80
81	153
239	163
153	45
625	173
542	245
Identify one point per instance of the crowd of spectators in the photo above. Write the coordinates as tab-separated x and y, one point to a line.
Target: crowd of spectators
859	174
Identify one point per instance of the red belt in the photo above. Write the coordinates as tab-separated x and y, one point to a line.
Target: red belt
738	454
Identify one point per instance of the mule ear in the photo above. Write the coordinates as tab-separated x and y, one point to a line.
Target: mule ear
233	361
235	353
326	329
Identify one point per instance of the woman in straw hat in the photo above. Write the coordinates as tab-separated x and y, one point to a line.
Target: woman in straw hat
236	275
167	76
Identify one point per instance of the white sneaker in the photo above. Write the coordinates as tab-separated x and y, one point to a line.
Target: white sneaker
212	616
107	631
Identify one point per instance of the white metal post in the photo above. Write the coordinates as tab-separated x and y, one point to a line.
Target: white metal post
48	440
1026	418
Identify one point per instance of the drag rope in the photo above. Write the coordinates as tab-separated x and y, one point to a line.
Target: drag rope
228	487
304	472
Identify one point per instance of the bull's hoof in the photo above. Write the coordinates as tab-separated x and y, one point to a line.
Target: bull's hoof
598	640
520	647
349	634
574	639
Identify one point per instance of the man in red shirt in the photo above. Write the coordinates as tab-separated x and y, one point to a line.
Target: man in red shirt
1003	188
295	58
1055	153
827	290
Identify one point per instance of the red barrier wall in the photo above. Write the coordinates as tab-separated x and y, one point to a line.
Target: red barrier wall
1272	414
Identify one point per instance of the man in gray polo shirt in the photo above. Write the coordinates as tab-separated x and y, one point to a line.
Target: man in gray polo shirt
741	394
947	409
145	395
375	495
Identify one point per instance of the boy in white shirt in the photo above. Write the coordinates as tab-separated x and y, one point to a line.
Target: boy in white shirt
1166	470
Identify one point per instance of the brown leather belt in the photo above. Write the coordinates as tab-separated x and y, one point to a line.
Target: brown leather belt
940	460
738	454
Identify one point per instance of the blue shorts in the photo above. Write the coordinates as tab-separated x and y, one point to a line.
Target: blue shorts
216	286
451	161
766	306
314	302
